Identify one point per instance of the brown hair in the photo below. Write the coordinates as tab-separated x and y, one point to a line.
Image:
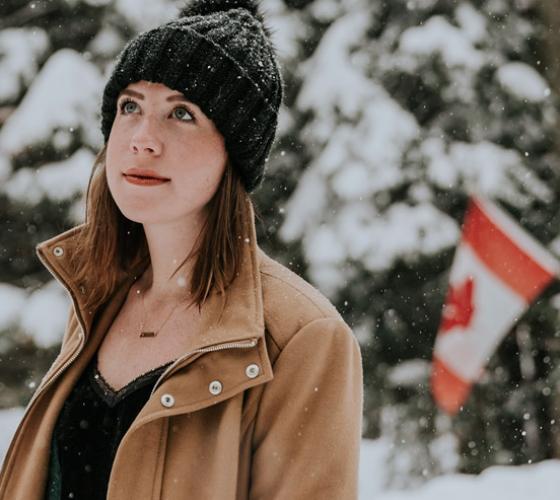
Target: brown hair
111	244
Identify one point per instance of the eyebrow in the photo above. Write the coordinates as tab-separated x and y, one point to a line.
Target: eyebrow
138	95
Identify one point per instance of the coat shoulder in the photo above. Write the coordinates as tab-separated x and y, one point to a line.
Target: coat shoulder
289	301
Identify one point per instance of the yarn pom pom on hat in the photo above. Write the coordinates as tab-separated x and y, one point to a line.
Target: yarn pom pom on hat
220	55
204	7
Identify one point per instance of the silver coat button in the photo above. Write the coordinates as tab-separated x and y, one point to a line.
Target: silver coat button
167	400
252	370
215	387
58	251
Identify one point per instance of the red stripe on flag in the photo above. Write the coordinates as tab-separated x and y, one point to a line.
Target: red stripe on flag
502	256
449	390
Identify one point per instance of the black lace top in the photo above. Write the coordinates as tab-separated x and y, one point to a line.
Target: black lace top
88	430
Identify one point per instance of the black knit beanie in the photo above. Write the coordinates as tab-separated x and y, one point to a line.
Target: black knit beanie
220	55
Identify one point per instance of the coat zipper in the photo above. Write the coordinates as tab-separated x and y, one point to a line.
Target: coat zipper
216	347
41	390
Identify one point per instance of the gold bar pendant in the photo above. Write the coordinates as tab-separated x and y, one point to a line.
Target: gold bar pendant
147	334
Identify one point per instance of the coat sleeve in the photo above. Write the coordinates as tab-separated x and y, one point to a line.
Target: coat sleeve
309	422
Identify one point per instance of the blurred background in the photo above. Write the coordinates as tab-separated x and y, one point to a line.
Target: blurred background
395	112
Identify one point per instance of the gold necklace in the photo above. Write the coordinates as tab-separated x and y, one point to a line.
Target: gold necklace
152	333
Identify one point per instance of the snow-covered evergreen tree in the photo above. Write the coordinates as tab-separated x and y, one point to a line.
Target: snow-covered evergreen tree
404	108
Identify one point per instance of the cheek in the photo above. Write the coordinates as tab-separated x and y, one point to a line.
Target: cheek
113	163
115	146
117	152
213	172
110	151
197	186
202	162
200	184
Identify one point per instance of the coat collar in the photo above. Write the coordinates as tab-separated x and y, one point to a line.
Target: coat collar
242	317
241	322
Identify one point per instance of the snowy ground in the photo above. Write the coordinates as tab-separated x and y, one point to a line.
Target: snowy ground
538	481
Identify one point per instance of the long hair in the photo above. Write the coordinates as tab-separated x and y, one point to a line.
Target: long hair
110	244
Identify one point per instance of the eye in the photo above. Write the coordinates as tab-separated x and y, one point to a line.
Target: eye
127	106
183	114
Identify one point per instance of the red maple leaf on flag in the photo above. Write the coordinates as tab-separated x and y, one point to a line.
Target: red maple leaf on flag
459	307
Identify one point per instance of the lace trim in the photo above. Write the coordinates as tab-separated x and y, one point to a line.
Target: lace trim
113	396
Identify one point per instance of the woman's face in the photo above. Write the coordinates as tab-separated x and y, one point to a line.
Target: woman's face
158	133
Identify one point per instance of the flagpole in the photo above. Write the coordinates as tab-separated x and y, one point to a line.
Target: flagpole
528	371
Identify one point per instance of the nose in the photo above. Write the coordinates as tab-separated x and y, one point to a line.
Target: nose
145	140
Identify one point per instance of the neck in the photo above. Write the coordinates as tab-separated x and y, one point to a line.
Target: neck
169	245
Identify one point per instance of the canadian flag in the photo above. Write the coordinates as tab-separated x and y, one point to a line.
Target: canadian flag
497	271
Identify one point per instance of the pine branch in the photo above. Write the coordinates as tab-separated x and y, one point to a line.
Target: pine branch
29	14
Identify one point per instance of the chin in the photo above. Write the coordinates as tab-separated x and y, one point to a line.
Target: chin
136	208
151	210
135	217
142	216
140	211
147	214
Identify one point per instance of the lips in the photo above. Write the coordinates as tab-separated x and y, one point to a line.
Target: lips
144	181
144	173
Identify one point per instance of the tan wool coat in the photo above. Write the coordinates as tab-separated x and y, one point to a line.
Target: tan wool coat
284	422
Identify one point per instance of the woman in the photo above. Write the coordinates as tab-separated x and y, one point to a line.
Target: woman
192	365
